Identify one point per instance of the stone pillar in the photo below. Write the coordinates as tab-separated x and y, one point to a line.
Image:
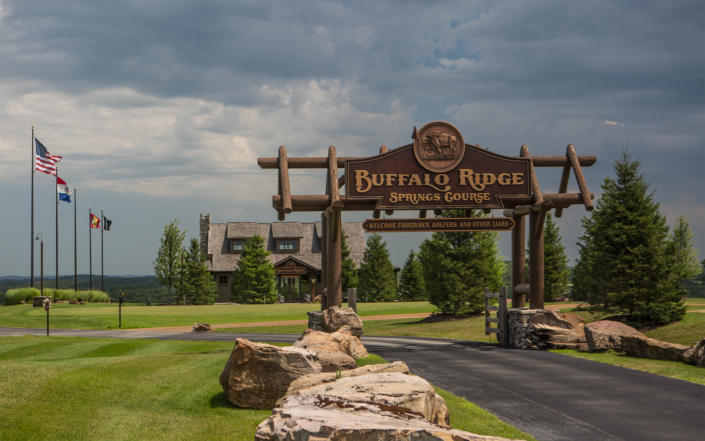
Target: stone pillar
352	299
518	260
205	226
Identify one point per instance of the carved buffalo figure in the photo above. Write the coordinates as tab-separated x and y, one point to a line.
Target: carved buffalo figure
439	145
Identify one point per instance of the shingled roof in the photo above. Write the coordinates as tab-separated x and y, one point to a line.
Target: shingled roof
219	236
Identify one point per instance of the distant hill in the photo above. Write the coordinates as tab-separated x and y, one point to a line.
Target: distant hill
138	289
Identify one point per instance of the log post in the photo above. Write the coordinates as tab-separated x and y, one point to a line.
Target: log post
518	260
535	261
573	157
334	279
324	259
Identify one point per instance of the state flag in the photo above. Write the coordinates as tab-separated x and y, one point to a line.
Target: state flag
64	190
95	221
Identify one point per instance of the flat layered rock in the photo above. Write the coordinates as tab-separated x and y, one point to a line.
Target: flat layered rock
645	347
551	329
696	354
607	334
301	385
312	417
256	375
333	361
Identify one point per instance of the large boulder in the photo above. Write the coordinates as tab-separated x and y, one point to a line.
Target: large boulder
201	327
335	318
645	347
300	386
257	374
608	334
551	329
315	417
389	389
695	354
342	341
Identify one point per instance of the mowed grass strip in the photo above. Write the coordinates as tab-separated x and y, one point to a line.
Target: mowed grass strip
62	388
105	316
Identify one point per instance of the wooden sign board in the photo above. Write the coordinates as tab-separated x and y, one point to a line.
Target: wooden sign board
438	224
290	270
289	276
437	171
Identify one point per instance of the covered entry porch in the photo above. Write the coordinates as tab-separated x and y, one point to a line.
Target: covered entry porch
295	279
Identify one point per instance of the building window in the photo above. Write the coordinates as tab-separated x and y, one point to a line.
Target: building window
237	246
222	280
288	245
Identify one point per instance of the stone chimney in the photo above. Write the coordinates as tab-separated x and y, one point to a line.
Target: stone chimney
205	226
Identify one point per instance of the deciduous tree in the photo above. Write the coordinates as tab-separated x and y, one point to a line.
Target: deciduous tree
167	267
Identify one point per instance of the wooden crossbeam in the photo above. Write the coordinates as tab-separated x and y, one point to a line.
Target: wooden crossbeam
573	157
306	162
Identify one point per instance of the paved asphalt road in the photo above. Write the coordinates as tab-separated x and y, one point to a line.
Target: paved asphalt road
550	396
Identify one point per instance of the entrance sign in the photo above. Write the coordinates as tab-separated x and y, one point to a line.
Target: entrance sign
438	171
438	224
285	270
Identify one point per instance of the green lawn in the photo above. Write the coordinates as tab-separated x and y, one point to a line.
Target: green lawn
105	316
686	332
672	369
63	388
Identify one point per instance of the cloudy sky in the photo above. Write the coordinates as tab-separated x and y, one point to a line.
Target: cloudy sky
161	108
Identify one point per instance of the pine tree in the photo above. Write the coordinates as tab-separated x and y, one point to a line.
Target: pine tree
349	272
167	267
377	282
458	266
555	262
195	284
254	278
411	285
684	251
626	265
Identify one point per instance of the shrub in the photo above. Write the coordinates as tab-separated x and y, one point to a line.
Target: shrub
15	296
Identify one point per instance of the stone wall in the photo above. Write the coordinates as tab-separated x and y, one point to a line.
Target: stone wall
518	327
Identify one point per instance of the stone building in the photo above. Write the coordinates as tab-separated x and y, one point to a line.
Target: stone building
295	249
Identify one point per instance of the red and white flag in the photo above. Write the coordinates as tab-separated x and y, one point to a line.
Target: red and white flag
45	162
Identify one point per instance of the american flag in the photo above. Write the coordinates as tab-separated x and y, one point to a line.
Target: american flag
45	162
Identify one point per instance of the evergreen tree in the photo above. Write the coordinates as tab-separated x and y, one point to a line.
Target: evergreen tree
626	265
254	278
411	285
349	272
377	282
195	284
684	251
457	266
555	262
167	267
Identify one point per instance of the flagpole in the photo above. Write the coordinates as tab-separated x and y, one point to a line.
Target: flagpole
31	271
90	247
57	227
102	225
75	249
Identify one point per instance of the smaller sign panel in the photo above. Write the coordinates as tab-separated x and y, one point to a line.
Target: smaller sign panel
438	224
291	270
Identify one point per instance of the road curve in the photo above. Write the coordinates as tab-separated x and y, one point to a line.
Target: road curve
550	396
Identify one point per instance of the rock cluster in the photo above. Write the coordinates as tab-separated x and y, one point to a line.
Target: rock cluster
38	301
376	402
334	318
257	374
545	329
335	351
